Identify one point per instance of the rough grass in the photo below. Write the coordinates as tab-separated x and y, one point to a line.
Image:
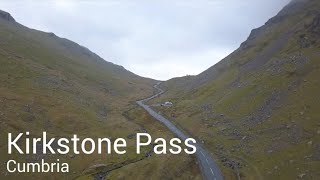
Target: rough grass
266	118
54	85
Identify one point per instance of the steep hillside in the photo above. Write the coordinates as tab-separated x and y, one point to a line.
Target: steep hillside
51	84
257	110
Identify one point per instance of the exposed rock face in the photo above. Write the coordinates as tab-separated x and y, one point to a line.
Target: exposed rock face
6	16
315	25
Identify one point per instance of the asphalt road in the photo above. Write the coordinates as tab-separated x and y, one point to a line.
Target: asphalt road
208	167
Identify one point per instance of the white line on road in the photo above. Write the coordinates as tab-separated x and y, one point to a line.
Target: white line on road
202	153
211	171
167	123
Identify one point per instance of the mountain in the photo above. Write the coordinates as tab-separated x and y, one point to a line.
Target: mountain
6	16
52	84
257	110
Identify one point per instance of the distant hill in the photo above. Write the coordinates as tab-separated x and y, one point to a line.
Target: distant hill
257	109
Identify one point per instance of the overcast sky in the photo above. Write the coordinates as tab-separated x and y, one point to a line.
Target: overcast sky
158	39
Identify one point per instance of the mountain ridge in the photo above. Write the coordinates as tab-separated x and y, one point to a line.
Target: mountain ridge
291	8
68	44
52	84
256	109
6	16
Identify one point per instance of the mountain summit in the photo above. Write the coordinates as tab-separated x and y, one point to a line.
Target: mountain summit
7	16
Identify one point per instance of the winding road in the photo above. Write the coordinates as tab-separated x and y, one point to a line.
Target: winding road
208	167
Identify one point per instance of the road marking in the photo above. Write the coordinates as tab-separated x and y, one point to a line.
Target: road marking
202	153
212	172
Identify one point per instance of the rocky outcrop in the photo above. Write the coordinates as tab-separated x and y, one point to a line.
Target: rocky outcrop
315	25
6	16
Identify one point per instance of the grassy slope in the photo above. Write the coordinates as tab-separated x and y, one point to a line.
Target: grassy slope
259	106
52	84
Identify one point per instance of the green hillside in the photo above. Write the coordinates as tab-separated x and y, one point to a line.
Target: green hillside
257	110
51	84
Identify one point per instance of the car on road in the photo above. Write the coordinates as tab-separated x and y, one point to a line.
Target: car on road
167	104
